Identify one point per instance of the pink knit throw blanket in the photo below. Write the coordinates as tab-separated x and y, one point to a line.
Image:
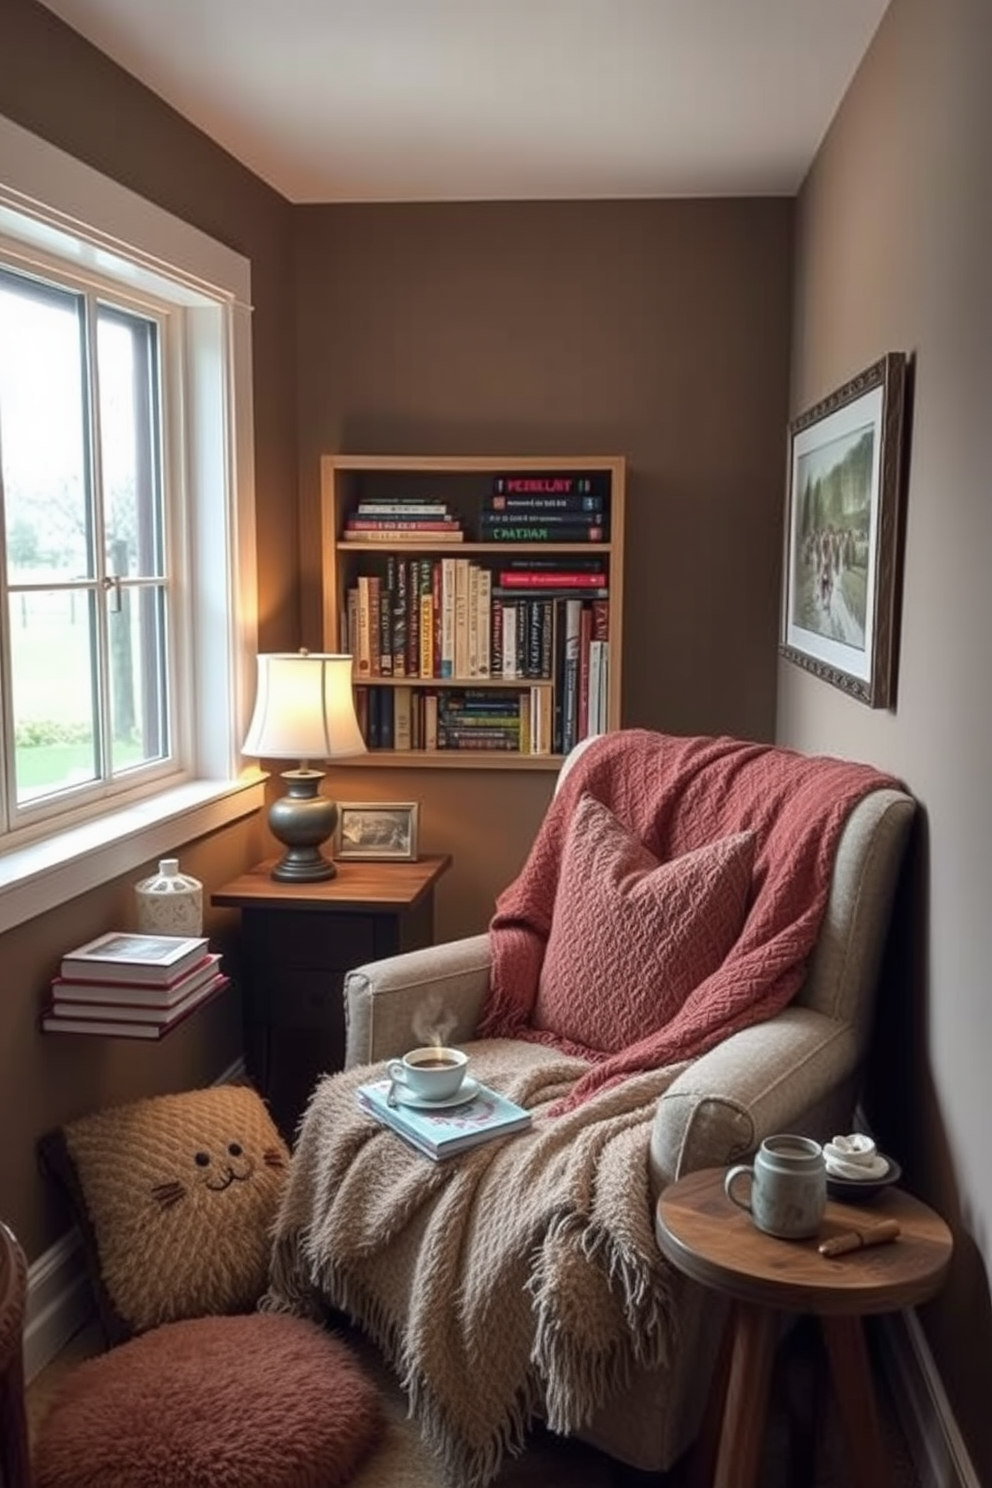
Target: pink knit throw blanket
676	795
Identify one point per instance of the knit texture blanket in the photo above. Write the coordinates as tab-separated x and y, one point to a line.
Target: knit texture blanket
678	794
520	1276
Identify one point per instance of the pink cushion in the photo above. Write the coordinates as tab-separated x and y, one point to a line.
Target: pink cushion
259	1401
631	937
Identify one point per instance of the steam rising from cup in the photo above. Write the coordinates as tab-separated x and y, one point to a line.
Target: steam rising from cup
432	1024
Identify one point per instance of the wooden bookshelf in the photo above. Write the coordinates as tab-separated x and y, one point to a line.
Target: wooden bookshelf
465	485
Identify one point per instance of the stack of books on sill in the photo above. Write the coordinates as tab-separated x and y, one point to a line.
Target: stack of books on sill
133	986
477	1115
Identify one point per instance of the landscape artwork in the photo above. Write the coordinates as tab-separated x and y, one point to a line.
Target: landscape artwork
842	533
833	537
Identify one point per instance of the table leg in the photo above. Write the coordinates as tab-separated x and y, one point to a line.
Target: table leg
702	1458
851	1376
745	1408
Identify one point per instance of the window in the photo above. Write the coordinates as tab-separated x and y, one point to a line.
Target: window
127	605
88	581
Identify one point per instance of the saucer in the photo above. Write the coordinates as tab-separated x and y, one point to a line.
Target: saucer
466	1091
860	1190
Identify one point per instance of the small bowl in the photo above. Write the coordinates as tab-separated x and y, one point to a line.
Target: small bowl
862	1190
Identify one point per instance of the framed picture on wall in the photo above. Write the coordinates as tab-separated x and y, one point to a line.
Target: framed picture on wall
377	829
842	533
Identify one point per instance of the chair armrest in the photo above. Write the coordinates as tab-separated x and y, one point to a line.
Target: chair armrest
440	987
771	1077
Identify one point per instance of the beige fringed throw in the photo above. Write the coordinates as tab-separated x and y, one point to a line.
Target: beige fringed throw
520	1277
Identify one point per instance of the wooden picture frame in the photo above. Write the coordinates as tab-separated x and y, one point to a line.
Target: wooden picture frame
377	830
842	533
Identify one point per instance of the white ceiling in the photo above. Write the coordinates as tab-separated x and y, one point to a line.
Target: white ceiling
448	100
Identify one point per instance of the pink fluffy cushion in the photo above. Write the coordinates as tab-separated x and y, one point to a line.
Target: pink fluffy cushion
263	1401
631	937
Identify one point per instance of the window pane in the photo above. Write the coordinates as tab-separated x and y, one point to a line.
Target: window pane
54	689
127	350
137	677
42	432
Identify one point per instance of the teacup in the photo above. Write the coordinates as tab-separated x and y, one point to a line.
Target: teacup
433	1072
788	1186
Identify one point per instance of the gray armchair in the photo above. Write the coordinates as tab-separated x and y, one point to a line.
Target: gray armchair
798	1071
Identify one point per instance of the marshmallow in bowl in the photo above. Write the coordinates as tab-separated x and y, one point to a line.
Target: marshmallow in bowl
854	1157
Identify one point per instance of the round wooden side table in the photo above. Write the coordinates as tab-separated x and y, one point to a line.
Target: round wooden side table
715	1243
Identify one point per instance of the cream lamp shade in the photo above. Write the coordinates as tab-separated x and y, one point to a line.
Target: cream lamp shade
304	710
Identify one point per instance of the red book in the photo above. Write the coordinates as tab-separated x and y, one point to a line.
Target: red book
519	578
121	1022
135	994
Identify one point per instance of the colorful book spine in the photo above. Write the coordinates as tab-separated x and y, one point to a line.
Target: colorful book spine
435	510
538	484
426	626
398	524
421	538
538	532
535	504
461	617
448	617
400	616
484	623
547	578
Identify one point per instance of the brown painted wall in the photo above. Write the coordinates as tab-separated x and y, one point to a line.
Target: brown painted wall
54	84
657	330
894	247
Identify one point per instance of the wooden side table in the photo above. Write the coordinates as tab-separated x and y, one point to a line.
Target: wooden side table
298	941
714	1242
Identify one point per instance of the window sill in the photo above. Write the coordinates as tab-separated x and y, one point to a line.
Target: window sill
39	877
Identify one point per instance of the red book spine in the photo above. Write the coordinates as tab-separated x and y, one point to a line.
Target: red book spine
514	578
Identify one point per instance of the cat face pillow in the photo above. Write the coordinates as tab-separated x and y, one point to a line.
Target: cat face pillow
176	1195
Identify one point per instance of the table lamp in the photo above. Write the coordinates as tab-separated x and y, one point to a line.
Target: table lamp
304	710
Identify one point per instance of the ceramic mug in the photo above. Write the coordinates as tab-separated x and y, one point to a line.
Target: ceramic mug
432	1072
788	1190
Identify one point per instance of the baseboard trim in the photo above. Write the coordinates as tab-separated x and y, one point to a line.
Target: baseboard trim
59	1299
939	1453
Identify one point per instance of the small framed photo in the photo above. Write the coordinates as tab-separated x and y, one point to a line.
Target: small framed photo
385	830
842	534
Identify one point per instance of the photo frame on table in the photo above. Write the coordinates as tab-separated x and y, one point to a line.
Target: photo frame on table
377	830
842	533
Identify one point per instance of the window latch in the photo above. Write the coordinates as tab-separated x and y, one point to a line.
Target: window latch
112	586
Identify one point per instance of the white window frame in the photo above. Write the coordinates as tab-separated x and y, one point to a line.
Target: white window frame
53	204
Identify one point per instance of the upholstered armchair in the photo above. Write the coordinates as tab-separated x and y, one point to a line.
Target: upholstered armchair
795	1071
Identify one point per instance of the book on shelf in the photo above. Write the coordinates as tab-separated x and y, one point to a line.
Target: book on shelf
550	578
118	1022
400	524
570	701
538	484
537	531
371	506
536	504
406	534
118	956
137	994
564	520
446	1131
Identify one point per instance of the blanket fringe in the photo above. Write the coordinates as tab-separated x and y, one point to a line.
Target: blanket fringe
578	1380
464	1466
288	1289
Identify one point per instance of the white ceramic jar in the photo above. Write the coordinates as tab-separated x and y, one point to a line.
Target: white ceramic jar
170	902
